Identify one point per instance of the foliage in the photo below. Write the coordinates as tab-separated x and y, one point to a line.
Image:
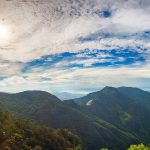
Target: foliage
78	147
134	147
112	119
139	147
18	134
125	110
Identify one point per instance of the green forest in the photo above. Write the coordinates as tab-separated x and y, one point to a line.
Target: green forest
115	119
16	134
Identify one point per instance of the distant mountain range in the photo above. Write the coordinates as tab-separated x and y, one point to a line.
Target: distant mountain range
67	95
111	117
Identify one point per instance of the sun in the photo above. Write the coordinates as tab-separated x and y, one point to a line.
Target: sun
4	32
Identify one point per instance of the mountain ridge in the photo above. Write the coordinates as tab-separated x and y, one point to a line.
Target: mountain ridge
108	120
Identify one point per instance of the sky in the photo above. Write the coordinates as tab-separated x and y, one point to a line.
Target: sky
75	46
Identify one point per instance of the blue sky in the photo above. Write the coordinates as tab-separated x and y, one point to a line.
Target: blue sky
89	59
74	46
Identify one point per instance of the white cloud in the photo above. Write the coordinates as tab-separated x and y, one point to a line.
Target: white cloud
40	28
10	69
77	79
131	20
12	81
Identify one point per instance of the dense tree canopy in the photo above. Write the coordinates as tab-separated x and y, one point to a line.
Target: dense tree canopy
17	134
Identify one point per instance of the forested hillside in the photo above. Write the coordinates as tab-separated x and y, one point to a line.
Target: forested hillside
16	134
126	111
107	118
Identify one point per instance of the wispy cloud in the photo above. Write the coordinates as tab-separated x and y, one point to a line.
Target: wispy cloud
56	44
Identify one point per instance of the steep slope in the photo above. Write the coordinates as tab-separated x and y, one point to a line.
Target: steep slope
18	134
25	104
136	94
46	109
118	109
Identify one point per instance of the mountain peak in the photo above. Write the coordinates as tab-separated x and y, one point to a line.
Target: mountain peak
109	89
34	93
37	95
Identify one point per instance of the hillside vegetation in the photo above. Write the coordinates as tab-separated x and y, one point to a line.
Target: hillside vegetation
16	134
107	118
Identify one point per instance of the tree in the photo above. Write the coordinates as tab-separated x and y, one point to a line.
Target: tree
78	147
139	147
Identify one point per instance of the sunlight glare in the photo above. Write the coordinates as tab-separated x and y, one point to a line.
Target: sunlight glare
4	32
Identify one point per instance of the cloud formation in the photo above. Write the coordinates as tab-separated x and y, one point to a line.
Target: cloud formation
104	39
